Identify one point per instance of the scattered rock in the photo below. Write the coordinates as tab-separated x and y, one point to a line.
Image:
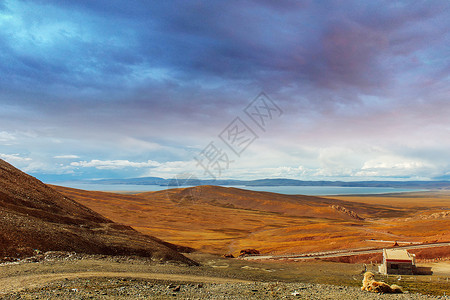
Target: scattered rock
112	288
346	211
247	252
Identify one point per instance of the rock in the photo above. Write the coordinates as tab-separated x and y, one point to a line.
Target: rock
346	211
247	252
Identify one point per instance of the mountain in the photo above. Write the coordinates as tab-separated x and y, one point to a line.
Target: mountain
223	220
139	181
442	184
291	205
35	216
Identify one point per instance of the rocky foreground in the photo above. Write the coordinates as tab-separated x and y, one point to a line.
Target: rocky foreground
68	275
126	288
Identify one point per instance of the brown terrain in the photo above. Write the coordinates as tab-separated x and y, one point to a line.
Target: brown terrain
225	220
89	242
33	216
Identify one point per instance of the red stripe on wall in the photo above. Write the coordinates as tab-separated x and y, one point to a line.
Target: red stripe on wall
399	260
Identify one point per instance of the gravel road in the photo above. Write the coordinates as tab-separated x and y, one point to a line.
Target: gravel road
131	288
61	275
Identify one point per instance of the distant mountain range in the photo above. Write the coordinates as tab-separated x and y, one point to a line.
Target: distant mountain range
273	182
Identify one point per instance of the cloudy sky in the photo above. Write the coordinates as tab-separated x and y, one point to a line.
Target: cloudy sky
114	89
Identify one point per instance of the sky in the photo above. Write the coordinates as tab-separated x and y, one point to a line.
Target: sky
309	90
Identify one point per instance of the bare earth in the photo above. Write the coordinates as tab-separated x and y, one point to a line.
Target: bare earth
223	220
37	220
75	276
219	220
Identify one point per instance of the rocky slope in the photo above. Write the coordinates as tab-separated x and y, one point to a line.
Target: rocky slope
34	216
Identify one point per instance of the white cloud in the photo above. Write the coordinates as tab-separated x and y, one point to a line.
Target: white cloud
69	156
114	164
14	158
37	166
140	145
392	165
175	168
6	137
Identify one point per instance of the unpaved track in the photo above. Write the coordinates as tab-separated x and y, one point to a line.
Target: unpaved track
21	282
330	254
110	288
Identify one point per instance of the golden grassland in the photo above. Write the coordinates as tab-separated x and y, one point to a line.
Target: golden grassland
225	220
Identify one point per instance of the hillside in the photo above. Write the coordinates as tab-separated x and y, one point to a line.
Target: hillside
287	205
35	216
225	220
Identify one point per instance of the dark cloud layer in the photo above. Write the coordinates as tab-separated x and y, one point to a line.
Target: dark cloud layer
114	45
172	68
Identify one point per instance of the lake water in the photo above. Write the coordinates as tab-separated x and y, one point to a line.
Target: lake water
290	190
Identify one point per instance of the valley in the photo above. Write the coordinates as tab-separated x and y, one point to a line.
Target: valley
68	243
223	220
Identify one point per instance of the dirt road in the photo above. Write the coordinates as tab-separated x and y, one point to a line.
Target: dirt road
339	253
70	276
18	283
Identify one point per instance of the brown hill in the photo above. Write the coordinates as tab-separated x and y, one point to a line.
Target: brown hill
288	205
227	220
35	216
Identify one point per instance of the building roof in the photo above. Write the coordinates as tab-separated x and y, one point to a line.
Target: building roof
397	255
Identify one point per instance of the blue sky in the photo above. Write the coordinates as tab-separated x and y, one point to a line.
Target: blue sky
110	89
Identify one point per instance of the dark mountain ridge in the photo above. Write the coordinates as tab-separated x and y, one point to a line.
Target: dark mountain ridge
35	216
442	184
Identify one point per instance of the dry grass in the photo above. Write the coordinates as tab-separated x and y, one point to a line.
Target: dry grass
226	220
35	216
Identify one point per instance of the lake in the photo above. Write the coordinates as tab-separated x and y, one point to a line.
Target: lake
289	190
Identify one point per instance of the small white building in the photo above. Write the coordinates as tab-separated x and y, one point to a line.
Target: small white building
398	261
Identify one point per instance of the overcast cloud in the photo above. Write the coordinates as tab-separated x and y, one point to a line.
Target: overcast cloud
106	89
